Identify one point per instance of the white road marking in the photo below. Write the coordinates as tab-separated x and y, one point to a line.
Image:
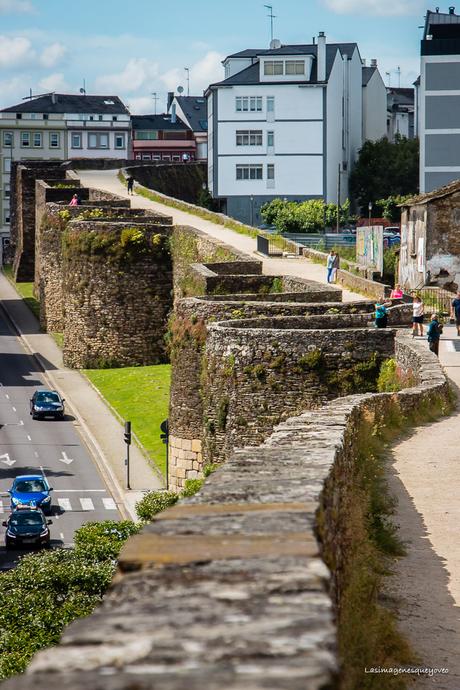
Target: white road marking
14	409
7	396
80	491
29	437
35	453
61	535
450	345
109	504
7	460
86	504
21	423
65	458
43	474
64	504
2	510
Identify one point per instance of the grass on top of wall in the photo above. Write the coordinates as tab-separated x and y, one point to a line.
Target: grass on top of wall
140	395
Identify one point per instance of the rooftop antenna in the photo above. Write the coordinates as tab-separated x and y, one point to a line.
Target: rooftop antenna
389	78
399	76
155	99
83	88
272	17
187	70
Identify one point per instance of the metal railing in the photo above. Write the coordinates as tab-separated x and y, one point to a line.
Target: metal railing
435	299
276	245
322	240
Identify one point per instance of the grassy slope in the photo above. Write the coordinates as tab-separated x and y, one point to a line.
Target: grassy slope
141	395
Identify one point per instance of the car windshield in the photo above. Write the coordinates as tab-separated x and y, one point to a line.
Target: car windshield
27	486
26	519
47	397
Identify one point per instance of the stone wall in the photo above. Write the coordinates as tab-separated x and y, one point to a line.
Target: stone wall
184	182
230	589
117	293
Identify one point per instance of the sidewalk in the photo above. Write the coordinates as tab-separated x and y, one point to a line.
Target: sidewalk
303	268
101	431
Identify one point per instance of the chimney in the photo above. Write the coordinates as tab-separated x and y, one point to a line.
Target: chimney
373	62
321	57
451	10
173	113
170	100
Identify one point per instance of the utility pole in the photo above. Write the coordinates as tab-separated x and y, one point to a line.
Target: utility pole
399	77
127	438
187	70
389	78
155	99
272	17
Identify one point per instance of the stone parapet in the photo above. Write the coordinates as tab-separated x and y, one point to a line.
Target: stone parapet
229	589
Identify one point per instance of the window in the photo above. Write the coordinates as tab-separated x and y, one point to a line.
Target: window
37	139
6	215
146	135
246	104
45	116
249	137
166	157
249	172
54	140
98	141
270	139
8	139
119	141
76	140
25	139
270	171
100	118
156	158
114	118
103	141
6	191
272	67
18	116
176	158
7	165
270	104
146	157
295	66
138	156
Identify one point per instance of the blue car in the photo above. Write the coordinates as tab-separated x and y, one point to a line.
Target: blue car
31	490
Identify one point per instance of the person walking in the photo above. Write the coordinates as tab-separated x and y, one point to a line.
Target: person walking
455	311
335	267
381	314
330	264
434	334
418	311
74	200
130	182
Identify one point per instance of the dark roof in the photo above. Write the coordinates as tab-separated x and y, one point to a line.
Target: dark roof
249	52
250	75
67	103
401	96
367	74
441	34
417	81
158	122
448	189
439	23
195	109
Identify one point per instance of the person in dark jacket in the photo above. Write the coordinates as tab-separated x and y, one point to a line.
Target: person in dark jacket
130	182
434	334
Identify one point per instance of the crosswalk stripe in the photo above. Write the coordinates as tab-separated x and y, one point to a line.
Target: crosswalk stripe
86	504
2	510
109	504
64	504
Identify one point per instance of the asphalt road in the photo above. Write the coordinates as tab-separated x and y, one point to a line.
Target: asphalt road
53	448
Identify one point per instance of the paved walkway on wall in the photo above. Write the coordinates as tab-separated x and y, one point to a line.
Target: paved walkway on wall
426	585
101	431
300	267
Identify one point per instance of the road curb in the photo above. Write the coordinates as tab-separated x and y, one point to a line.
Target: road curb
91	443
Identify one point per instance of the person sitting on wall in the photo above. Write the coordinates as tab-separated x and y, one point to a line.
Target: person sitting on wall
74	200
397	292
434	334
381	314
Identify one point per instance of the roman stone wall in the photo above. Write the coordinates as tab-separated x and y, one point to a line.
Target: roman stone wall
255	375
183	182
117	293
242	586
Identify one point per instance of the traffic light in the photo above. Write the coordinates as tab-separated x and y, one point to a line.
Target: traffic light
127	433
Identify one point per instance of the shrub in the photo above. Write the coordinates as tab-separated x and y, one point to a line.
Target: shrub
154	502
103	540
192	486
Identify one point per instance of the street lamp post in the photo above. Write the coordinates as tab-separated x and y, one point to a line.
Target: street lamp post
370	211
251	198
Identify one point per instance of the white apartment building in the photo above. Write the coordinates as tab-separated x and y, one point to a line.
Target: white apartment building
374	103
60	127
285	122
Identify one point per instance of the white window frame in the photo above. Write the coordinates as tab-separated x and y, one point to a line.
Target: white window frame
294	67
57	136
248	104
270	139
249	137
6	191
146	157
273	68
270	171
8	136
72	142
248	171
120	135
25	137
6	165
97	136
6	216
37	136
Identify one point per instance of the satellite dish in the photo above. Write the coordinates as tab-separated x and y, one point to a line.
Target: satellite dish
180	89
82	90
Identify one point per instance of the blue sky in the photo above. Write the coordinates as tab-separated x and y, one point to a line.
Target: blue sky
134	48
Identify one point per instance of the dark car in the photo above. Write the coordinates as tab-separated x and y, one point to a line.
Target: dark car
46	404
31	490
27	526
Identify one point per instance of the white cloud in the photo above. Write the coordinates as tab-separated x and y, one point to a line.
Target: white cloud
52	54
16	6
54	82
202	73
137	73
377	7
15	51
143	105
11	91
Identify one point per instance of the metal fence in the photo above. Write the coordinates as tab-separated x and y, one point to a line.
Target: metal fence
322	240
276	245
436	299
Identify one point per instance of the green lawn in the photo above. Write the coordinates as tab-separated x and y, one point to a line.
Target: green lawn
26	290
141	395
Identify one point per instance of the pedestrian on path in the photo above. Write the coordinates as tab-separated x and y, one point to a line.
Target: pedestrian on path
418	311
434	334
130	182
74	201
381	314
455	311
335	267
397	292
331	265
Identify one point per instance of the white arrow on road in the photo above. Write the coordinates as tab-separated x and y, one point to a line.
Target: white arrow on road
65	458
7	460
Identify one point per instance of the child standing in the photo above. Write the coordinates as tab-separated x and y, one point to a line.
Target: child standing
418	311
381	314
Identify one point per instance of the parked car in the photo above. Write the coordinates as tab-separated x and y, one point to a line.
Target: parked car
27	526
46	404
31	490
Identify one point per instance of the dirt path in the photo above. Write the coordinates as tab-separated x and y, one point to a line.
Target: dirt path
426	586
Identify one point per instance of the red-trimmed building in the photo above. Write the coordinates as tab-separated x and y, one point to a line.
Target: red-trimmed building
162	137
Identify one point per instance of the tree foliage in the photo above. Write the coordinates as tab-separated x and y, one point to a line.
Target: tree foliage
305	216
389	207
385	169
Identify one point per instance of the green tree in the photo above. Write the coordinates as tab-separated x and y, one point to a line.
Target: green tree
385	169
389	207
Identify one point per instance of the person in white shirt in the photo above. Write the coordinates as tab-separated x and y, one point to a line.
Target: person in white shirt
418	311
